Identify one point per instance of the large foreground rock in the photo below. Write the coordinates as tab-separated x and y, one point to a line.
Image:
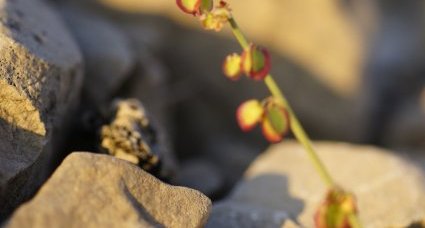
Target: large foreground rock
90	190
389	187
40	77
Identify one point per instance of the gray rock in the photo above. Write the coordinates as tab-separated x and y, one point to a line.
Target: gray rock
90	190
202	175
407	130
232	157
106	50
389	187
149	84
137	39
40	79
234	215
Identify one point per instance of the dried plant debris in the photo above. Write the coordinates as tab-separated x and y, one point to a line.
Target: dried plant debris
418	224
130	136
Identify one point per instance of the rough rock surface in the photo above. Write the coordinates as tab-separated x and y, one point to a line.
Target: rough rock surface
106	51
389	187
90	190
40	78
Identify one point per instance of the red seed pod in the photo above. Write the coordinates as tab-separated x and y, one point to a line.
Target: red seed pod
195	7
276	122
256	62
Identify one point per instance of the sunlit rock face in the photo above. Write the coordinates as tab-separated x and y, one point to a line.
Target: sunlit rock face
282	185
40	77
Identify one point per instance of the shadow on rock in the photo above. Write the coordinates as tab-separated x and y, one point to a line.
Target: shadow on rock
21	171
264	201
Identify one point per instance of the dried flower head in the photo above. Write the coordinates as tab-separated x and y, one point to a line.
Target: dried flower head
335	209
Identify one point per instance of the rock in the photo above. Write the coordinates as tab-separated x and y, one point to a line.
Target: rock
232	157
407	129
234	215
149	84
291	28
40	80
148	78
202	175
90	190
106	51
389	186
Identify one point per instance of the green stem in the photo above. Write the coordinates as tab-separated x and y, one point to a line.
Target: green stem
299	132
296	127
238	33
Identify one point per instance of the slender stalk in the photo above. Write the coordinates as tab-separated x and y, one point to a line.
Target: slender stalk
296	126
238	33
299	132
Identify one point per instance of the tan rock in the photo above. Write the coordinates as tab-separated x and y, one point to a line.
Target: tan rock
90	190
389	186
40	78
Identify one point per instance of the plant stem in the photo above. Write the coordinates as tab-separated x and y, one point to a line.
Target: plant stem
296	127
299	132
238	33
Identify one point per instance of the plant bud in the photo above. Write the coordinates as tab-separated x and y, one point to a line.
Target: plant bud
232	66
249	114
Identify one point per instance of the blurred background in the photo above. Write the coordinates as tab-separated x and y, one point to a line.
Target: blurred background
353	70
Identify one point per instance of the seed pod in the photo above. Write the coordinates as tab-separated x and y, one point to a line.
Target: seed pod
256	62
335	209
195	7
276	123
249	114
